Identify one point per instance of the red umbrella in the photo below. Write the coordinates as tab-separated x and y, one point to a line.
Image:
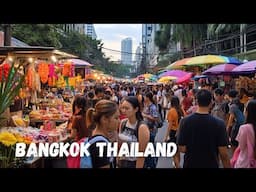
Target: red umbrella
222	69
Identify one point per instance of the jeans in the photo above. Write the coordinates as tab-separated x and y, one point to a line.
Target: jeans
151	162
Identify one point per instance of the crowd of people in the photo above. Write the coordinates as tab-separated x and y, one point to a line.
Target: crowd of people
212	127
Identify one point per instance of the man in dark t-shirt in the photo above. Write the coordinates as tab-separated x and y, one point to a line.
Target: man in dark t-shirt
203	137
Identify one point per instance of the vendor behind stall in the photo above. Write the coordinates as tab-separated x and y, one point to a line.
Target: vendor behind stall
17	108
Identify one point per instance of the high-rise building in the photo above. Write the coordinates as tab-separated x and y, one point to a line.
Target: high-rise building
138	56
74	27
87	29
126	49
90	31
150	50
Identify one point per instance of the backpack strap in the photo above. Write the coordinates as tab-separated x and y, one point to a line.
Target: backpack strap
96	139
123	125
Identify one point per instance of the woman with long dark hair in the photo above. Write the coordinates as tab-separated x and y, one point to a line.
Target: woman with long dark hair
246	139
173	117
79	128
132	129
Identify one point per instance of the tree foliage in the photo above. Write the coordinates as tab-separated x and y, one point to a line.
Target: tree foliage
218	29
188	34
86	48
37	34
162	37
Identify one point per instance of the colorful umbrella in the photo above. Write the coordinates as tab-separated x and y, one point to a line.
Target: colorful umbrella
246	68
166	79
175	73
222	69
211	59
178	64
184	78
146	75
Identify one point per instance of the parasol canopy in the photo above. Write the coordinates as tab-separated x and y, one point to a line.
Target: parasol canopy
178	64
211	60
203	60
246	68
175	73
166	79
185	78
222	69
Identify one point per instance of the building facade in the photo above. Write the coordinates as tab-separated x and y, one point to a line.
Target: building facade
149	48
126	51
74	27
138	57
90	31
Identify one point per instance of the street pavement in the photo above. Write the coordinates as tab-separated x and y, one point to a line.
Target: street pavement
164	162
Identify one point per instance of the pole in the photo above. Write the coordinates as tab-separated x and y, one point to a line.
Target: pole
7	35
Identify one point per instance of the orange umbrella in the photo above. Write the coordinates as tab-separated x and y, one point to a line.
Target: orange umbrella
178	64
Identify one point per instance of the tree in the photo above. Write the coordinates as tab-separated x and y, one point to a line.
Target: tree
162	37
189	34
37	34
217	29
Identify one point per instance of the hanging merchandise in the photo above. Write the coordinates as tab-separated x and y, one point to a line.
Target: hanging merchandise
72	73
37	82
66	70
52	71
43	70
66	81
29	78
60	82
6	70
52	81
57	70
72	81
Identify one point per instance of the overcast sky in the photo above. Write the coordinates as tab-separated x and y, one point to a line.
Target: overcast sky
112	35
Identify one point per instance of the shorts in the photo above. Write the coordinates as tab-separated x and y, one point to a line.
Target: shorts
172	136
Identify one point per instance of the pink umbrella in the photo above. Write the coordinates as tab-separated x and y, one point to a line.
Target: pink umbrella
184	79
222	69
175	73
246	68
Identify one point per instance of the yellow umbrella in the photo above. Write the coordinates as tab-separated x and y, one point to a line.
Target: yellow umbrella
211	60
166	79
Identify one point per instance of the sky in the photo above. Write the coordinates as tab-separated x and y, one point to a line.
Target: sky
112	35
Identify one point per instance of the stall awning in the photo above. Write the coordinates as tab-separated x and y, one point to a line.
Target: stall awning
34	51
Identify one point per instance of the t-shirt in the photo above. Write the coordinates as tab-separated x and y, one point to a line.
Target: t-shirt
128	135
79	124
239	116
246	139
202	134
220	110
173	118
98	161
